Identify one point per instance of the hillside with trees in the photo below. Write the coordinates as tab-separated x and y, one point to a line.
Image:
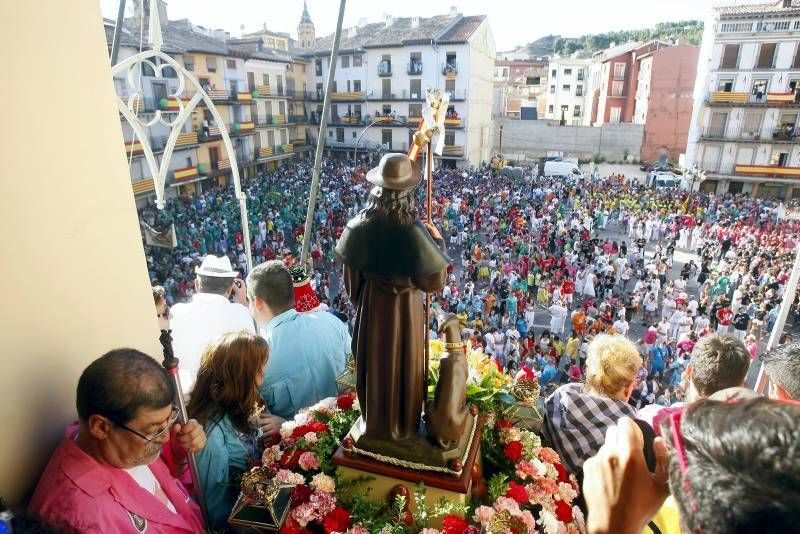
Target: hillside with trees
686	31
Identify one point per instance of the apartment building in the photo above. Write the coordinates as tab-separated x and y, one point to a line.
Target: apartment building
566	96
261	125
383	69
520	84
744	131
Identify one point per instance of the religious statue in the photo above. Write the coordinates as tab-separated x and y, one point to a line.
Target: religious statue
390	258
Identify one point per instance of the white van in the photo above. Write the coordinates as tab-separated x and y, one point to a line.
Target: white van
662	180
563	169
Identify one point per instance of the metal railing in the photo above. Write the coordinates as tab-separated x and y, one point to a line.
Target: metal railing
406	94
714	131
385	68
414	68
450	67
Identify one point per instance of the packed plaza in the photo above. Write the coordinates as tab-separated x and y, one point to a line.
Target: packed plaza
340	329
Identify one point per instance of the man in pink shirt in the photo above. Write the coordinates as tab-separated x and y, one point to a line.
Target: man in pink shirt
107	475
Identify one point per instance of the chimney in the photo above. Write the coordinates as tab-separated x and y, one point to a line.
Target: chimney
219	35
453	11
388	20
362	22
264	24
415	22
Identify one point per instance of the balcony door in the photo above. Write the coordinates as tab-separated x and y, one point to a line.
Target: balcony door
159	91
213	156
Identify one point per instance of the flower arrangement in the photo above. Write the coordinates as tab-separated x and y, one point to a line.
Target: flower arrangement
529	490
487	385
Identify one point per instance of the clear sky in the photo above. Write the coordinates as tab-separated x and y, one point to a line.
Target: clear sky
513	22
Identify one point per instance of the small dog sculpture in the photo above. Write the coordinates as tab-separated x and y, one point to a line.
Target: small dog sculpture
447	414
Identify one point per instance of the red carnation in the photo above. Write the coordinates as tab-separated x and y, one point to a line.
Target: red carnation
345	401
517	492
562	473
502	423
300	494
452	524
290	459
316	426
513	451
563	511
300	431
290	526
336	521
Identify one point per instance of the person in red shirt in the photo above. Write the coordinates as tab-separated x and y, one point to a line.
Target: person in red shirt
724	316
567	290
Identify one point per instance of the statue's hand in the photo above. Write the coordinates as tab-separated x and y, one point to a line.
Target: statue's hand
450	328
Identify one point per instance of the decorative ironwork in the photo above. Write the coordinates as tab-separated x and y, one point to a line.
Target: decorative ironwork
157	60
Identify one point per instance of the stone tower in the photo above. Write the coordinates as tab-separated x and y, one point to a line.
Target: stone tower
306	35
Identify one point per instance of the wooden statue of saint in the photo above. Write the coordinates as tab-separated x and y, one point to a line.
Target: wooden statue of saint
390	259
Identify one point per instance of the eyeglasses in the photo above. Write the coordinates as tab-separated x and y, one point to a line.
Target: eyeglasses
173	416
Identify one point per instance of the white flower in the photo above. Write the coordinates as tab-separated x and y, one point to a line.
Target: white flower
325	405
323	482
302	418
549	522
287	428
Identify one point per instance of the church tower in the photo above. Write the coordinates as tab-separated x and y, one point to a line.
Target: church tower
305	30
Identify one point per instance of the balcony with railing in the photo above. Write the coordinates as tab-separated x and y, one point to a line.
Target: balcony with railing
771	171
242	98
786	133
242	128
714	132
453	150
414	68
350	96
275	151
458	95
219	95
385	68
726	98
450	69
158	144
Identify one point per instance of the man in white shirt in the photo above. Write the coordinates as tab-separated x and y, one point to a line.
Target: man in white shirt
621	326
209	314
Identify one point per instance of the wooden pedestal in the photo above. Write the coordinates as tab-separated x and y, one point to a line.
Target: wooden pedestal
386	476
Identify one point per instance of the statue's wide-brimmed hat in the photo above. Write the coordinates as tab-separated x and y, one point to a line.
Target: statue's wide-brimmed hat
396	172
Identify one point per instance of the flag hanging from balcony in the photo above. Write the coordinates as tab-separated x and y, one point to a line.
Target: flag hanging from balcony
431	127
154	238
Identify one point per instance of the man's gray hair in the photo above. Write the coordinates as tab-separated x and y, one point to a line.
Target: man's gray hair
272	283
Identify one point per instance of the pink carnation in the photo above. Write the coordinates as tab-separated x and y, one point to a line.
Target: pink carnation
271	455
357	529
322	482
289	478
430	531
305	513
548	485
546	454
537	495
311	438
324	503
566	492
506	503
530	469
308	461
528	519
483	514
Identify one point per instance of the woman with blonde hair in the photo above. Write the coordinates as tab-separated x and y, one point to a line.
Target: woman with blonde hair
226	402
578	414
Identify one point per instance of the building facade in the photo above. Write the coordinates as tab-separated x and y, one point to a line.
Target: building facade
520	84
663	99
744	132
567	90
251	86
382	72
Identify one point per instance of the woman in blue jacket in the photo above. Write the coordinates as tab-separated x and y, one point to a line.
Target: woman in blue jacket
223	400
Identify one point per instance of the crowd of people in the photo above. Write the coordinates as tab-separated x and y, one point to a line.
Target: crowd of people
638	418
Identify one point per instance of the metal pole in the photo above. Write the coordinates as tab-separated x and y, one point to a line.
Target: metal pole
170	364
783	313
117	32
323	124
501	140
429	209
